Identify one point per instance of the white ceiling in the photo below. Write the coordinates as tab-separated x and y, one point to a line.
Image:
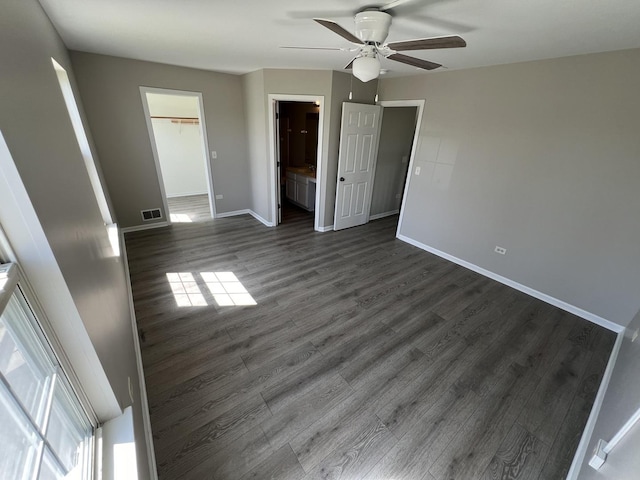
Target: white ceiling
244	35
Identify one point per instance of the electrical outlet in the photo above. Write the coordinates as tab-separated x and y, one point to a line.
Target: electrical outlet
214	154
500	250
417	170
219	197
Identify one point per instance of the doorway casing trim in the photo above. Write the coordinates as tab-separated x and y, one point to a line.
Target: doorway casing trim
407	103
321	184
145	106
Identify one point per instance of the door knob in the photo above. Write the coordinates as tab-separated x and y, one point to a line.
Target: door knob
342	179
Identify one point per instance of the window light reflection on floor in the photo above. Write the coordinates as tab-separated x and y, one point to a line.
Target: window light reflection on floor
186	290
180	218
225	288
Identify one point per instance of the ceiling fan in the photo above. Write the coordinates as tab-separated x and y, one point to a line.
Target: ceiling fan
371	30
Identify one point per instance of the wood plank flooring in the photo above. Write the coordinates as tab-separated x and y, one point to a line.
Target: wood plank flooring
190	208
363	358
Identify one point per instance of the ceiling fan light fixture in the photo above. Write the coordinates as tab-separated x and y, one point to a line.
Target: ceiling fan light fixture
366	68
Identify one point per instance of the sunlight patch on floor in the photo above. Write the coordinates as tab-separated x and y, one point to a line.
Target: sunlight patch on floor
226	289
185	290
180	218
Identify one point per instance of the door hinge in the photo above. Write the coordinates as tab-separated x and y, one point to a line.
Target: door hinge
277	116
278	164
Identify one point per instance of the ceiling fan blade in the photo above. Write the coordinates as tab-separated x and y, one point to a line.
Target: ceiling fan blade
317	48
441	23
395	4
414	62
349	65
299	14
335	28
452	41
407	7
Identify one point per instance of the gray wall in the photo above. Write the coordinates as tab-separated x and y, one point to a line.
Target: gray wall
540	158
38	132
109	87
396	137
256	132
621	401
302	82
334	87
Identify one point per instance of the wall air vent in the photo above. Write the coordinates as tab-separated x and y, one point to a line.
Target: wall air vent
152	214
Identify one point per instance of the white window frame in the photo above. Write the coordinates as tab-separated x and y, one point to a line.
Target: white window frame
83	141
10	284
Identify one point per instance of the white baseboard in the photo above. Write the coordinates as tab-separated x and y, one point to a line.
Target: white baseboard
581	451
245	211
324	229
383	214
592	317
137	228
260	219
233	213
144	402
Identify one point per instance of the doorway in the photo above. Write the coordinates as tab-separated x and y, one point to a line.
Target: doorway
178	138
295	132
297	126
392	166
381	192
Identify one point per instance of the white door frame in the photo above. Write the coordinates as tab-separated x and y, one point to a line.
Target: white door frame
154	149
273	160
407	103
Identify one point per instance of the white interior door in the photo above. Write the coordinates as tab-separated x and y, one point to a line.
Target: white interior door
359	135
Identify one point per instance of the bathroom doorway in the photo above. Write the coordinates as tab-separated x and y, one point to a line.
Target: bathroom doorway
296	132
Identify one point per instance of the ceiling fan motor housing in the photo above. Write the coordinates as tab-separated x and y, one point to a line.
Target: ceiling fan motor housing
372	26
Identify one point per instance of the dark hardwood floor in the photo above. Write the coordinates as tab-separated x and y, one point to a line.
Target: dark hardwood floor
363	358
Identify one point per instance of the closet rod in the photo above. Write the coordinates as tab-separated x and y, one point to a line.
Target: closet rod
176	118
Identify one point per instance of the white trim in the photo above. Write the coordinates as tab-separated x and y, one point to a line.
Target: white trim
592	317
233	213
260	219
144	402
86	150
414	147
154	149
325	229
273	167
207	159
581	451
383	214
246	211
137	228
626	428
